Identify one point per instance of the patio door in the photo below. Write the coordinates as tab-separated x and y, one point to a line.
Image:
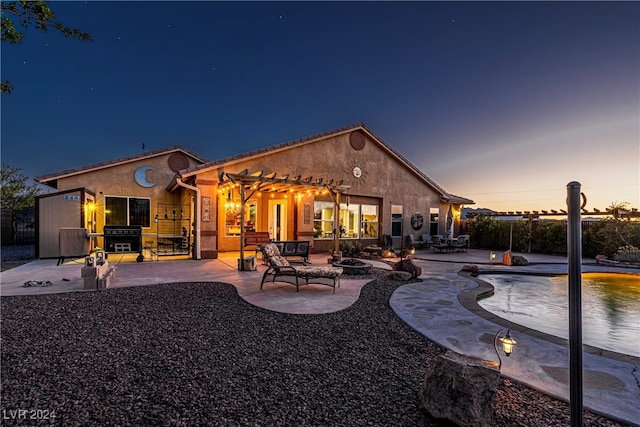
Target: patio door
278	219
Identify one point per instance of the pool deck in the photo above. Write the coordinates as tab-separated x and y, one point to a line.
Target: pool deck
441	307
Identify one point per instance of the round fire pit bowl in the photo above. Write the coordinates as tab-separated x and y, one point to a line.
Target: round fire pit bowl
353	266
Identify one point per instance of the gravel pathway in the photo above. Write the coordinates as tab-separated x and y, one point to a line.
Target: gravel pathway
197	354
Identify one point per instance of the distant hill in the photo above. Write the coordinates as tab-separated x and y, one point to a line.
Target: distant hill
463	213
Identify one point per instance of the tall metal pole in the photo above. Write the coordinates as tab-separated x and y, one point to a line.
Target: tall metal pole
574	249
242	202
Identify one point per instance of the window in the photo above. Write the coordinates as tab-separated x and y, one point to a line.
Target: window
127	211
323	220
349	221
369	215
356	221
396	220
433	221
232	216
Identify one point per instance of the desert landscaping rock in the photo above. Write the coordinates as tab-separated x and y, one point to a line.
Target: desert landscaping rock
197	354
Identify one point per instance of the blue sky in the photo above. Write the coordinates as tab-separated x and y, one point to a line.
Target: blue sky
504	103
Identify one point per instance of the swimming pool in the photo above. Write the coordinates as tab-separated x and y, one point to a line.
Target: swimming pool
610	307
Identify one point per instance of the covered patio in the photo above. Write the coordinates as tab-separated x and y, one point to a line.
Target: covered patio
248	184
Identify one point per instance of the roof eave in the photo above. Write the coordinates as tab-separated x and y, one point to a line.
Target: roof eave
43	179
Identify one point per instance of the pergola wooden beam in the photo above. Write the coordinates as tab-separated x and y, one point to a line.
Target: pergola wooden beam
258	181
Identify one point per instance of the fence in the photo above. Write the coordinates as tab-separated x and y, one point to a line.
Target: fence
18	227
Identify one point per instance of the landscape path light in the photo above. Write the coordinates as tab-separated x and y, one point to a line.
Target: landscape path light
507	345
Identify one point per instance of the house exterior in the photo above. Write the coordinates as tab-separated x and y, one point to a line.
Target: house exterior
346	185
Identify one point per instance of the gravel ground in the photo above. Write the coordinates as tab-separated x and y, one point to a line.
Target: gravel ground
13	256
197	354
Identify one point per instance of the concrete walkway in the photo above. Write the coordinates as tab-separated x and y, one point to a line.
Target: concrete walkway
441	307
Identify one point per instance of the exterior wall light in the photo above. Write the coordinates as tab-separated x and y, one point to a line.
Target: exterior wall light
507	345
492	256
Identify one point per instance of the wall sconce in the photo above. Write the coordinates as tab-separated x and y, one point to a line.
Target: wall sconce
507	345
155	219
492	256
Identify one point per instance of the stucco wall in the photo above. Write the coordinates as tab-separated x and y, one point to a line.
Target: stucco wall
119	180
383	176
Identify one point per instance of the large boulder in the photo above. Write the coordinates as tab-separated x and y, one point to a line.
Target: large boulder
519	260
408	266
460	389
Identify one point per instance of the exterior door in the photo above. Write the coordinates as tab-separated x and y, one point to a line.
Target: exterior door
278	219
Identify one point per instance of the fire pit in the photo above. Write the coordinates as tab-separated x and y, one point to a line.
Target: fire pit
353	266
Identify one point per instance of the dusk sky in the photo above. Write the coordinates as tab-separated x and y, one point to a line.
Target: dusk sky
504	103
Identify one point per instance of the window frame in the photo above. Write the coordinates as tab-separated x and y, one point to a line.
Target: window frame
128	199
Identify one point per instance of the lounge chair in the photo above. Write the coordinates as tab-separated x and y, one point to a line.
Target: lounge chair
278	266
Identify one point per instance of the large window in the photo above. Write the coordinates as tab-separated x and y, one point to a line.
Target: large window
396	220
323	220
356	221
127	211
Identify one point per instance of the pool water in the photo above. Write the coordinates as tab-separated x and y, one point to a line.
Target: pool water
610	307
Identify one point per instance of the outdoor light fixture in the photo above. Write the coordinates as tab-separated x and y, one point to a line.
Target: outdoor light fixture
492	256
413	251
155	219
507	345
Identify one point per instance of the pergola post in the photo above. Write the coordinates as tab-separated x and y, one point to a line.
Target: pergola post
336	225
243	201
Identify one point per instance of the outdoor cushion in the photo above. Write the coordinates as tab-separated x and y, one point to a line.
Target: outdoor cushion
279	266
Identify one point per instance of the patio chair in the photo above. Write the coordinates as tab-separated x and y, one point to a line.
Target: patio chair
278	266
462	243
426	238
413	242
439	245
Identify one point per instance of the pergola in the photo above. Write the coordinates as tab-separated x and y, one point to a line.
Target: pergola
250	183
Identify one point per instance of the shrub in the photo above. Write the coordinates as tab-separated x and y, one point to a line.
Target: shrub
627	253
488	233
549	238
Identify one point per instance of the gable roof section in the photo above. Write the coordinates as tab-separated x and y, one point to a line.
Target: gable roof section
227	161
52	178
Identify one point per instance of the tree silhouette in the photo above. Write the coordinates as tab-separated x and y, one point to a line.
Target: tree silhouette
15	193
23	14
